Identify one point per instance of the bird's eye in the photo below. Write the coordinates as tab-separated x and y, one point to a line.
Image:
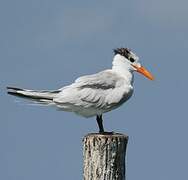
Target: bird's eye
131	59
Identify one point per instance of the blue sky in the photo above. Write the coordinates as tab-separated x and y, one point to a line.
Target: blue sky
47	44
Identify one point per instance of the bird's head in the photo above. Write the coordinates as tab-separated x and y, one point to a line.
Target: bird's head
125	58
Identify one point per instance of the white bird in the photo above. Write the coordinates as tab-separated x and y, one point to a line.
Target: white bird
93	95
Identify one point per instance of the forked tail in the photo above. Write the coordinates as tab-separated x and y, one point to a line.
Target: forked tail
38	96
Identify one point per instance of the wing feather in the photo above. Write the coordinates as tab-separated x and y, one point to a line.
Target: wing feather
95	91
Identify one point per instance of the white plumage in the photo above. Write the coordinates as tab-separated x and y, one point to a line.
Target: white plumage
93	95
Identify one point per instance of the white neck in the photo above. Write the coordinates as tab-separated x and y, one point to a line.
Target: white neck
122	68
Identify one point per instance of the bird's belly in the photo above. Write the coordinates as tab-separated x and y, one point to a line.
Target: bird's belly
106	106
117	103
94	106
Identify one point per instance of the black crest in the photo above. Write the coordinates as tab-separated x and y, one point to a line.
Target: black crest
123	51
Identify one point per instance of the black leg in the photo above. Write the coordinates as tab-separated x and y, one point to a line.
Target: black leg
100	123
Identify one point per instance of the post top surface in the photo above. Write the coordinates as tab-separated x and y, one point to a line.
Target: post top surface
107	135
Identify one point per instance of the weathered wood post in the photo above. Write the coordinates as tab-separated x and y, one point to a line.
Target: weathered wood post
104	156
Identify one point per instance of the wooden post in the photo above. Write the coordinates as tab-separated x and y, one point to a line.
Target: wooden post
104	156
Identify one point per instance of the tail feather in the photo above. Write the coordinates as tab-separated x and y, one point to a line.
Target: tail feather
39	96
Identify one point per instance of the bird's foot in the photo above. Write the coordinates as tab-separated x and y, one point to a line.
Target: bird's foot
107	133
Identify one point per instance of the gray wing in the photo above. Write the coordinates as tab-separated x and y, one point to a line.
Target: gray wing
92	91
103	81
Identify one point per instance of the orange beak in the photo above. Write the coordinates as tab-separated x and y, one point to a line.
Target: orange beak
144	71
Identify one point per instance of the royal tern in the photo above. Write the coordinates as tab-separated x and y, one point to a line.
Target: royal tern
93	95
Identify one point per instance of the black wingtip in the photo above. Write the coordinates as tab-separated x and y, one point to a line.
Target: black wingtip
13	93
14	88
